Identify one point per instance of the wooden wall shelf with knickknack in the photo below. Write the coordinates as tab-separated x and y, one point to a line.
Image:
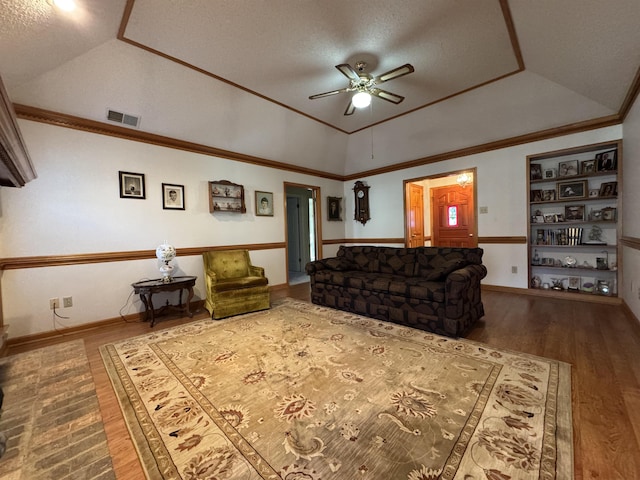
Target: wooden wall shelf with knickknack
574	211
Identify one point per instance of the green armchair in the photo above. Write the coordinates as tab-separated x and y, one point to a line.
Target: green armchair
234	286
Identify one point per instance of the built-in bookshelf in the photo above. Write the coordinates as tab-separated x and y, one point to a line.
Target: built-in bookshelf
574	212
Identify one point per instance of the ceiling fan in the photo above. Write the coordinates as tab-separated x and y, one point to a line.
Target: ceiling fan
366	85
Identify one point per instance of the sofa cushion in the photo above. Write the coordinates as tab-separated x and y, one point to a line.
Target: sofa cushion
442	269
339	264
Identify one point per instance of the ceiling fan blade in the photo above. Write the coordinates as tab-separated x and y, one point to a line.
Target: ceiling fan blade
405	69
388	96
328	94
348	72
350	108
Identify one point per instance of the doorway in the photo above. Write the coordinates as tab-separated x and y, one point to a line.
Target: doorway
440	210
301	229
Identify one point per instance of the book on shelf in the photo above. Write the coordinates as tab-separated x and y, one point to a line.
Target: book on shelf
569	236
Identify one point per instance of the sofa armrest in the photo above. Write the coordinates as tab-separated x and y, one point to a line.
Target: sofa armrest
331	263
462	288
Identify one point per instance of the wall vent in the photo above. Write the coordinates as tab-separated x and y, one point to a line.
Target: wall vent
123	118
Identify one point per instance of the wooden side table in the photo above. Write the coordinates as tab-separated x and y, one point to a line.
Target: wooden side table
147	288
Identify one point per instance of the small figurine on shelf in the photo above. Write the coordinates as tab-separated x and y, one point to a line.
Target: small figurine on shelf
536	258
557	284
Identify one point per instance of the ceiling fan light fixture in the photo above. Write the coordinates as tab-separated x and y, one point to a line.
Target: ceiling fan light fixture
65	5
361	100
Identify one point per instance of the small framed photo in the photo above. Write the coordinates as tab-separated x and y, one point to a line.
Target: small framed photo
576	189
548	195
132	185
549	173
607	161
587	167
574	213
536	195
608	189
334	209
172	196
574	284
568	168
535	170
264	204
550	218
594	192
609	214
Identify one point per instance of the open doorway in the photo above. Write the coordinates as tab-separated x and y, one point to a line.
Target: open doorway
302	229
440	210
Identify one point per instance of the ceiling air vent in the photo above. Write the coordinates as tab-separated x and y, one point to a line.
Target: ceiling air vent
124	118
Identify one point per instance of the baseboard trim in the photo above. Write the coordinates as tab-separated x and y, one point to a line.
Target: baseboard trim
574	297
65	332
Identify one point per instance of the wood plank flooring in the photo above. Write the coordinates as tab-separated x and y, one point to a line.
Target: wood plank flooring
601	343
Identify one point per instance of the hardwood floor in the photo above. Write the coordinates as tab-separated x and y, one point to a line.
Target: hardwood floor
600	342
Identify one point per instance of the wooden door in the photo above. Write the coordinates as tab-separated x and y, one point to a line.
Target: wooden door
415	215
453	217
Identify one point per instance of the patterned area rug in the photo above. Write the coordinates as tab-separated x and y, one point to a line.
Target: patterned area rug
302	392
51	417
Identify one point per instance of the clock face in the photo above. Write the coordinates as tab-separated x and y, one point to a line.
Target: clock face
360	194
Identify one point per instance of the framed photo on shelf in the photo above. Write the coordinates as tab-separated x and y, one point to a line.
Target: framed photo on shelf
548	195
587	167
132	185
608	189
172	196
575	189
264	204
607	161
609	213
536	195
550	173
334	209
573	284
574	213
535	171
568	168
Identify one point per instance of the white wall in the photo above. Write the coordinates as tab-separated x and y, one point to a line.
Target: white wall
501	187
631	213
74	207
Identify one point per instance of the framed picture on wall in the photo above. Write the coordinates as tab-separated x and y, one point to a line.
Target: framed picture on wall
172	196
264	204
334	209
131	185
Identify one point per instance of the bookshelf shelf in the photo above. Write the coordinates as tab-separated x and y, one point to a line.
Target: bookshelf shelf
573	200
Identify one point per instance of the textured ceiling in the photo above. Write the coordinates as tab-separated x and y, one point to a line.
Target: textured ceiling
530	65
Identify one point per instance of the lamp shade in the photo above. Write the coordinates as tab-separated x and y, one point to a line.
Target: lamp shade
165	252
361	100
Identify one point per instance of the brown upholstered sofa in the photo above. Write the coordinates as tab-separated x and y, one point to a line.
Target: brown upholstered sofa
432	288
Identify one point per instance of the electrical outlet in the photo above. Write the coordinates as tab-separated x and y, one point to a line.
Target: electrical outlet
484	209
54	303
67	302
514	269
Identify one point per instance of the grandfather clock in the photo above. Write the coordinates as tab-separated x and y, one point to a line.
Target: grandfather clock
361	192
